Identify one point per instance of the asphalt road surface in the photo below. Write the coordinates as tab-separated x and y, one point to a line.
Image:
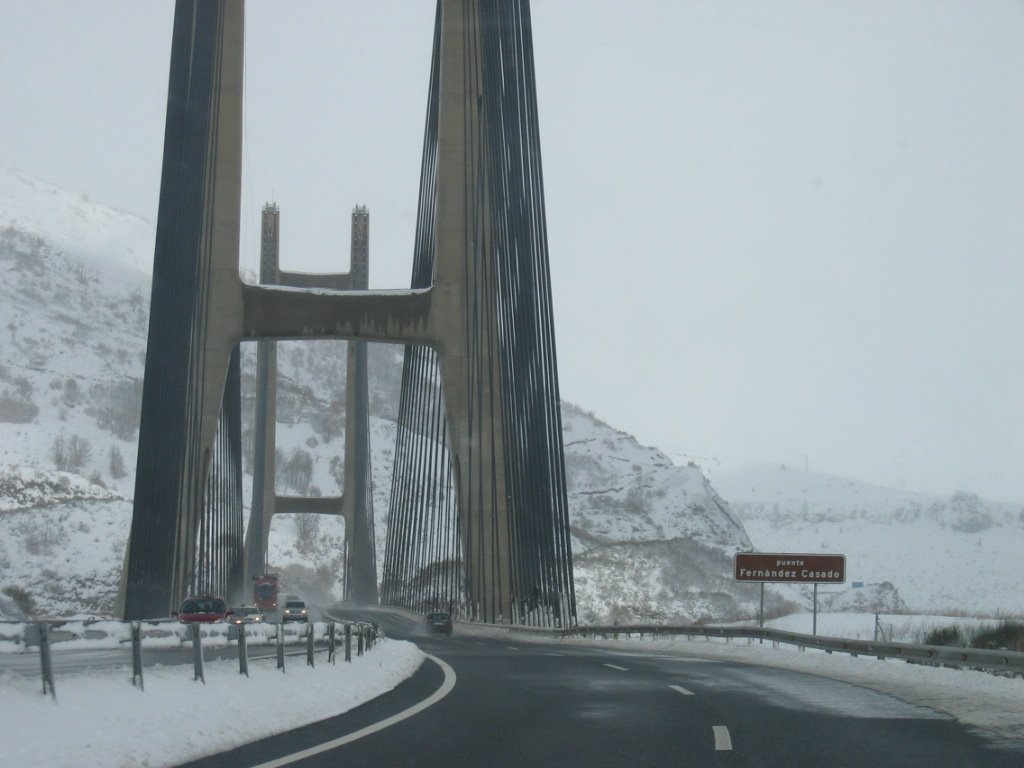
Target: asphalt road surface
531	704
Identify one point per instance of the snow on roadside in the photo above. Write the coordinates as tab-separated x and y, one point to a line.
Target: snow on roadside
100	719
894	627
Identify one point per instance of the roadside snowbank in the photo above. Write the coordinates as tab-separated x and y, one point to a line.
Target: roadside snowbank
100	719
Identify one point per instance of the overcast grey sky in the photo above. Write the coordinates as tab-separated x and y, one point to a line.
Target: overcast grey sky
777	230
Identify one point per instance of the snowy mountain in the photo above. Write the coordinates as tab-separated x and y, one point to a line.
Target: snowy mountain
939	554
651	540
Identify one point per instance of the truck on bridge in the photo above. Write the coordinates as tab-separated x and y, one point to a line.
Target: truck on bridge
264	591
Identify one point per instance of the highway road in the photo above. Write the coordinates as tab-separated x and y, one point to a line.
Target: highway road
531	704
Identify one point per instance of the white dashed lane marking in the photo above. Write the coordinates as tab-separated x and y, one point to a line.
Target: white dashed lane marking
723	741
681	690
615	666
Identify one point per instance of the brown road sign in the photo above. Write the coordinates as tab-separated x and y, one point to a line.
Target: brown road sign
794	568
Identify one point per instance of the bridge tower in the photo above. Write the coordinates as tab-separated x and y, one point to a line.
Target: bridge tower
480	304
355	504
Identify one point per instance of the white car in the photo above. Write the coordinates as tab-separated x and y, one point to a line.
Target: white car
247	614
295	610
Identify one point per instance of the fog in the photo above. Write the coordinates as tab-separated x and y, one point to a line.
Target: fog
782	233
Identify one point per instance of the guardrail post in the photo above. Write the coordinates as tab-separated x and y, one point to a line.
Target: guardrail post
331	640
197	652
137	654
348	643
243	652
44	659
280	647
310	639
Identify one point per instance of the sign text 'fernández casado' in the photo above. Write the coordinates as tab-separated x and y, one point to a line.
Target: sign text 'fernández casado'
796	568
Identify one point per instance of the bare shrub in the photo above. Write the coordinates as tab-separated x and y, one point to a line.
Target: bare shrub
78	453
72	393
116	463
307	531
41	536
59	453
16	410
22	600
298	471
117	407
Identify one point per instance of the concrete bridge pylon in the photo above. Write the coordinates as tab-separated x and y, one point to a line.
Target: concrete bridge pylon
483	309
355	505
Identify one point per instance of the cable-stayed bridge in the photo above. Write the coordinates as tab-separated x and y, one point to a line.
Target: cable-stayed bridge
478	515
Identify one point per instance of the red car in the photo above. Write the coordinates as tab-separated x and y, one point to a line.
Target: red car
206	609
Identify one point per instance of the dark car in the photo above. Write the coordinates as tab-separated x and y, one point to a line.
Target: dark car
438	621
205	609
295	610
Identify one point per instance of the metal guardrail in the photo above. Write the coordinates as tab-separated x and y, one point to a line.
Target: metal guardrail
40	635
1004	661
1011	662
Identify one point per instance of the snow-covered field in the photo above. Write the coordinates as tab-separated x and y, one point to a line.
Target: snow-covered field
898	628
99	719
956	553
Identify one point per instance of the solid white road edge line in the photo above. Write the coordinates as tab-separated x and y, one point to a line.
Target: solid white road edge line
681	690
615	666
436	696
723	740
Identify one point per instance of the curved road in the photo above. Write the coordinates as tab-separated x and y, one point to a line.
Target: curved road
533	704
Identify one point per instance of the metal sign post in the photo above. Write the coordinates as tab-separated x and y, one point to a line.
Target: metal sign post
44	659
280	647
197	652
243	652
137	654
814	620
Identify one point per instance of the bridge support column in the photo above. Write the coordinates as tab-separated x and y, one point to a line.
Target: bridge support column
190	338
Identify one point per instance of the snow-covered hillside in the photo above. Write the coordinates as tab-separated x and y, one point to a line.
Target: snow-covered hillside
75	300
74	313
62	540
940	554
108	239
651	540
